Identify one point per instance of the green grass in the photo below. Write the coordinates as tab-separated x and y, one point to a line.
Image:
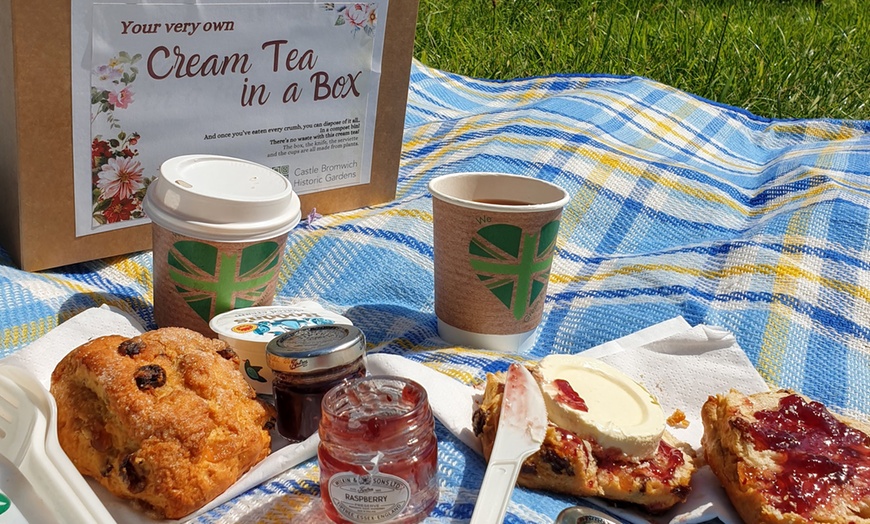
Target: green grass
775	58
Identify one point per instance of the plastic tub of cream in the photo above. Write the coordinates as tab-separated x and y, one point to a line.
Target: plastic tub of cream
248	330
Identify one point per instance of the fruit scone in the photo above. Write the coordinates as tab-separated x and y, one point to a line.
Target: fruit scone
164	419
783	458
606	436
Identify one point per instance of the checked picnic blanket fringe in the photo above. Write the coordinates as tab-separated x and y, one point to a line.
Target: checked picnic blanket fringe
680	207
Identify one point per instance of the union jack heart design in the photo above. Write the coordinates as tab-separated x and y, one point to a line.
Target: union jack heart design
212	282
513	264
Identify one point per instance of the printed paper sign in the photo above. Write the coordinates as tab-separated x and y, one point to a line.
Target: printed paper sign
290	85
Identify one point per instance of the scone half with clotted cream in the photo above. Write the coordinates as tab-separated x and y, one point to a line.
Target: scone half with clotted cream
606	436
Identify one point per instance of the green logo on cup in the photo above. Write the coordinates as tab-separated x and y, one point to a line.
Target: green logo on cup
514	265
5	503
212	282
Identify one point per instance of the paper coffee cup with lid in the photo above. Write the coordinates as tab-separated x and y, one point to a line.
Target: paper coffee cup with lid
220	226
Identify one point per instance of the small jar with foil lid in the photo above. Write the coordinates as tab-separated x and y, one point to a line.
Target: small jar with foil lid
378	452
306	363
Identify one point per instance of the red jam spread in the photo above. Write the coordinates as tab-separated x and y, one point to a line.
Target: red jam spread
662	466
569	441
568	396
820	456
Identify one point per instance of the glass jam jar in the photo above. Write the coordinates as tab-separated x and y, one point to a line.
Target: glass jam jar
306	363
378	452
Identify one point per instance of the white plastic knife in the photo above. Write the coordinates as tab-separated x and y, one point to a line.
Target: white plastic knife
521	429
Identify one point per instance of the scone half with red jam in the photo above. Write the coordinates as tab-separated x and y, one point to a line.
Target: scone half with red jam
606	436
783	458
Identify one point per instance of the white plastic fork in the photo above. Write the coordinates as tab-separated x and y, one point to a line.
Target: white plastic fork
16	422
39	455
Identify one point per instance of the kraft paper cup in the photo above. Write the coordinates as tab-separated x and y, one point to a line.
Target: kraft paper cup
219	228
494	237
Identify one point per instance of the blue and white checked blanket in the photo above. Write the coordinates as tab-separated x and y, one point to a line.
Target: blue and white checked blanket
680	207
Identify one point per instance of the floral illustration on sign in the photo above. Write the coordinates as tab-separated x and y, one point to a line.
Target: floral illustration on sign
117	179
358	16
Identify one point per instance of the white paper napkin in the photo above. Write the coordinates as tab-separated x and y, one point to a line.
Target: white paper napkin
451	401
679	364
43	355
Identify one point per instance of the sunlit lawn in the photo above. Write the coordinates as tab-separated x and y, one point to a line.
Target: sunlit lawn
793	59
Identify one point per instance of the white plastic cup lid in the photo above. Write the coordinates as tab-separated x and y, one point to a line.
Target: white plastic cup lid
221	198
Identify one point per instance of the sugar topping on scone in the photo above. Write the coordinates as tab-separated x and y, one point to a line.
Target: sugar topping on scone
165	418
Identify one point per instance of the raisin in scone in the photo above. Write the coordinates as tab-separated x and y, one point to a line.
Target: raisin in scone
569	464
783	458
165	418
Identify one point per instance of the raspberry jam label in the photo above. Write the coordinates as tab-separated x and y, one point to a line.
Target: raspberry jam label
368	498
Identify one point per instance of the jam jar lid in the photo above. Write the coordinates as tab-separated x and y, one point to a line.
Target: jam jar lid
315	348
